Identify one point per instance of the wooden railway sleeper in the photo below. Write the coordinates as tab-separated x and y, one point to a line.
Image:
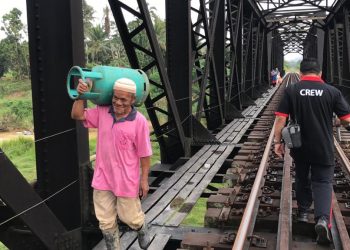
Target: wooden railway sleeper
257	241
345	194
347	205
252	170
230	199
264	212
236	212
268	189
249	177
225	214
274	172
273	178
242	197
338	175
341	182
246	188
228	238
266	200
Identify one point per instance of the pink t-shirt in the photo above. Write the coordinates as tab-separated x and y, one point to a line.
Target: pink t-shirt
118	151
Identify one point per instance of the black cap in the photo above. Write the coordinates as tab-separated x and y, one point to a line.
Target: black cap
310	65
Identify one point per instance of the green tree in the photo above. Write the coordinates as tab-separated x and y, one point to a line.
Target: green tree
88	16
104	45
107	22
159	28
12	24
5	54
17	50
98	49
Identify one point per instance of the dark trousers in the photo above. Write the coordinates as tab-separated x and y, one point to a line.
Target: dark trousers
316	184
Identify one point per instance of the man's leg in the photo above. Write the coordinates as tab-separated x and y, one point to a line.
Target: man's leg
322	176
303	189
130	212
106	214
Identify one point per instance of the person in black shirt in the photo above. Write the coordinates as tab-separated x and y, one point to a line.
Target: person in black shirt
315	103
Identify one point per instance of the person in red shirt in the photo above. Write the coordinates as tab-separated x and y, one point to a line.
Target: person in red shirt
314	104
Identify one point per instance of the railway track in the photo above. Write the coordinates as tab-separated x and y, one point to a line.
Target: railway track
257	209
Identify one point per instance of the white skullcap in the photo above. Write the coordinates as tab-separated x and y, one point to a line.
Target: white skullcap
125	84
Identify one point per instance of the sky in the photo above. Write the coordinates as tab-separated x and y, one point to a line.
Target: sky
7	5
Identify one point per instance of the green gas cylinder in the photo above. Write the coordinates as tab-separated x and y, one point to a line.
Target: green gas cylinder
102	79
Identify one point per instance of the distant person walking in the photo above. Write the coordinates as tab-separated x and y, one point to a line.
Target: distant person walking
274	76
314	105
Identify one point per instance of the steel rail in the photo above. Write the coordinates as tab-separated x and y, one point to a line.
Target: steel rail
339	220
251	207
284	234
342	155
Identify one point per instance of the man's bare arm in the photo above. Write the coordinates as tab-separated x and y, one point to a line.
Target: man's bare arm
280	124
279	147
145	166
78	105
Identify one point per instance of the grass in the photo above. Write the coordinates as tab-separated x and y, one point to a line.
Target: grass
13	88
2	247
15	104
196	217
21	152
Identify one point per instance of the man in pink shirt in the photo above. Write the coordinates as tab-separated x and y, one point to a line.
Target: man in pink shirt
123	143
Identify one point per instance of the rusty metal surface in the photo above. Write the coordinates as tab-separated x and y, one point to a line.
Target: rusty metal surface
343	233
249	210
285	219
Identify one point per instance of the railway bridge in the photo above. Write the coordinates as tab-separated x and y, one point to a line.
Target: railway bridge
212	112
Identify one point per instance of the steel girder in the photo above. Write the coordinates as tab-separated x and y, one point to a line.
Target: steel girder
336	69
346	47
48	73
246	50
58	202
233	24
314	44
277	52
214	93
205	24
248	22
327	68
294	18
166	121
180	61
41	227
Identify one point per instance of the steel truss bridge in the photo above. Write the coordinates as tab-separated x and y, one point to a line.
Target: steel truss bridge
219	54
